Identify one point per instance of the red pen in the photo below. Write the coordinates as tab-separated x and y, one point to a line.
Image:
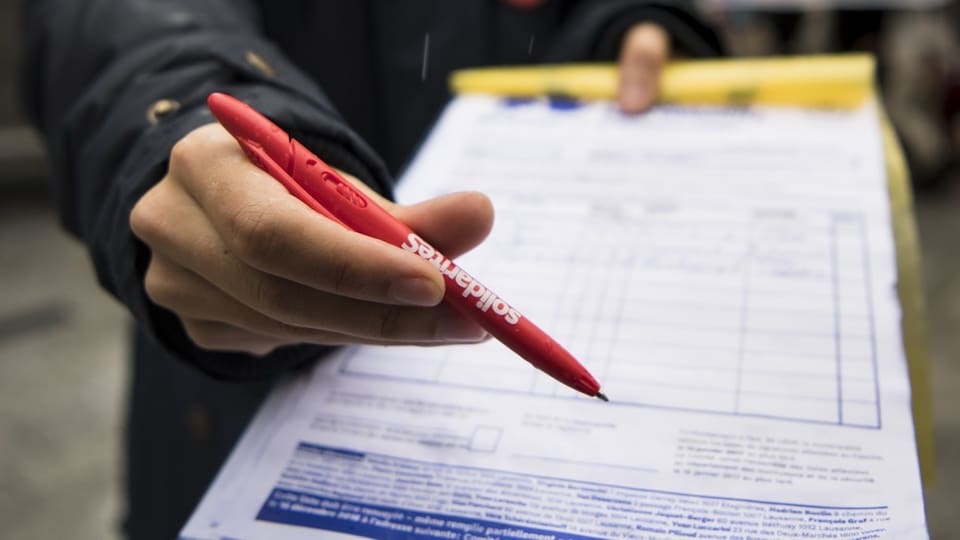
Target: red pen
320	187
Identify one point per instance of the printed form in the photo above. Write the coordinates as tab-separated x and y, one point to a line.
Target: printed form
728	275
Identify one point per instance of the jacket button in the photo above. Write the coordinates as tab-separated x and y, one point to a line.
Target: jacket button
160	109
261	65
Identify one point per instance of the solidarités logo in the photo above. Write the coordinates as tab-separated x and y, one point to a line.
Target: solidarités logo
487	299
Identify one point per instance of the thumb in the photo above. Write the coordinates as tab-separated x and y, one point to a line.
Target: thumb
453	223
645	49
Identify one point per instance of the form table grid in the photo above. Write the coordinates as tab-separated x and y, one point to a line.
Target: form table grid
731	322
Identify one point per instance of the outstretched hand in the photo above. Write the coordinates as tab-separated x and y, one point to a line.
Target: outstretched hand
248	267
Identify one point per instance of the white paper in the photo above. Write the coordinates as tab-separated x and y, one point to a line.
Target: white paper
729	277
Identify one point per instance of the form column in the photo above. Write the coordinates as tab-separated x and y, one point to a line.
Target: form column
679	315
788	356
857	383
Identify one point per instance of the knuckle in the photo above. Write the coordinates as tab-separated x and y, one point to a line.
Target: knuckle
351	276
294	333
342	273
256	233
181	150
389	322
204	335
284	303
261	349
140	220
267	296
146	217
182	156
193	149
158	288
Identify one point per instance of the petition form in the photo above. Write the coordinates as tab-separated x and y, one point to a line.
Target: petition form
728	275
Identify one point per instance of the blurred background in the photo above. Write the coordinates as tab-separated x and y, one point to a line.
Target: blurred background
63	367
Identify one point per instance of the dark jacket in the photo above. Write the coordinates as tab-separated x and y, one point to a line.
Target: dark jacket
113	84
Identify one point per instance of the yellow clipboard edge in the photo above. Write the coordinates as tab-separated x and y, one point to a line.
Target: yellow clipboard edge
910	290
827	81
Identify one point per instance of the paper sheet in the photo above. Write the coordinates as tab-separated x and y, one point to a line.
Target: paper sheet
727	274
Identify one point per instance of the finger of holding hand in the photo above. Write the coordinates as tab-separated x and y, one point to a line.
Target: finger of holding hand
645	50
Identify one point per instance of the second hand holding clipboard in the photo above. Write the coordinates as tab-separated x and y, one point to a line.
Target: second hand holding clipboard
321	188
841	81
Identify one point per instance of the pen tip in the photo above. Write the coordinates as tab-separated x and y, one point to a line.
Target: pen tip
599	395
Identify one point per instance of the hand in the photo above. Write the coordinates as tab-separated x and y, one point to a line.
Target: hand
248	267
645	50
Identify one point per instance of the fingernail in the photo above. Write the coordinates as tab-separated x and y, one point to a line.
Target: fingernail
460	330
416	292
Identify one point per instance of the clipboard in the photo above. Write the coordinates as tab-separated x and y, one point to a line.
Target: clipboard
826	81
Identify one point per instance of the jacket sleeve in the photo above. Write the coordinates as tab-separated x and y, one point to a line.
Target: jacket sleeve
113	84
594	29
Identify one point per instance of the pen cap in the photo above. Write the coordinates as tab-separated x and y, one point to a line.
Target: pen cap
246	124
259	137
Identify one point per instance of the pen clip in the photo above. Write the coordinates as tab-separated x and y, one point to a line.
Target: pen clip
261	159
